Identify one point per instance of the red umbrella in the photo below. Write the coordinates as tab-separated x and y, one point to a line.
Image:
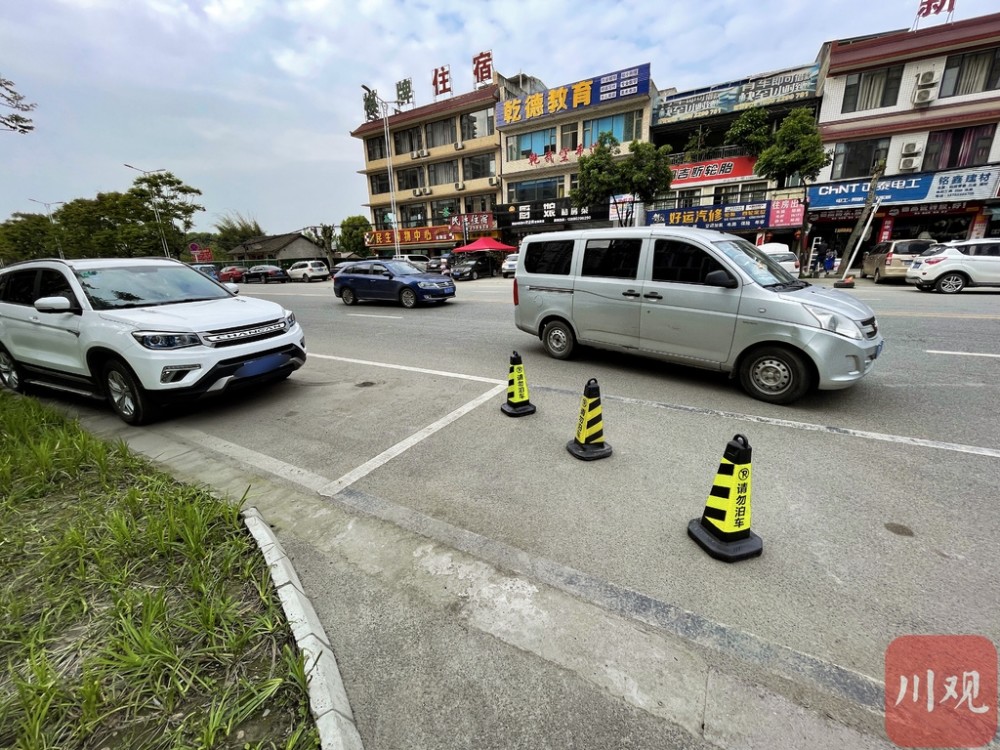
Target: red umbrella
484	243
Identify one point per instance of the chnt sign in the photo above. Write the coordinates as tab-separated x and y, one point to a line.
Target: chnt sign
961	184
556	211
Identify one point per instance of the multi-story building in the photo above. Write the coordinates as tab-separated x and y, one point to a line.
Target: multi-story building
546	131
927	104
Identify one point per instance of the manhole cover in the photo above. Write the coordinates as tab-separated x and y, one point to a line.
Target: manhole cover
898	528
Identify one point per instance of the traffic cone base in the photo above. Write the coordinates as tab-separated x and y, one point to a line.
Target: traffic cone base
517	403
588	444
735	551
588	452
517	410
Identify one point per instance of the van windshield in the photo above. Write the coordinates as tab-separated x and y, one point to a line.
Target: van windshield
756	264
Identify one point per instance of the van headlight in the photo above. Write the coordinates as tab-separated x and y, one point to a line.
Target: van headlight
161	341
831	321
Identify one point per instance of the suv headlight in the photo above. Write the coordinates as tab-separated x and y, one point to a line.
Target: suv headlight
289	320
157	340
831	321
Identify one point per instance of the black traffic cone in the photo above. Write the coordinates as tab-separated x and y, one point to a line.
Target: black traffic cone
723	531
588	444
517	404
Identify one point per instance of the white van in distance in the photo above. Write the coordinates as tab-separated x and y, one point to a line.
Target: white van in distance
696	297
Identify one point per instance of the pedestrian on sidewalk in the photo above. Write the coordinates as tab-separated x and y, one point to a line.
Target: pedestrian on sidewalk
829	261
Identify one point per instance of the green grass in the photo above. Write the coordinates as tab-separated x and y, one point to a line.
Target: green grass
137	611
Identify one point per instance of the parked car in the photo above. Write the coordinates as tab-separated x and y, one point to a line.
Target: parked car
139	332
509	265
472	268
441	265
307	270
391	280
208	269
891	259
950	267
420	261
781	254
265	274
232	274
338	267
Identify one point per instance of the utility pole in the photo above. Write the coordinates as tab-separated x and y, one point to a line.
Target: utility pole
48	213
156	210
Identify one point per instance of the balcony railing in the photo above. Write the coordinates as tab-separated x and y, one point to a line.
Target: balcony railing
718	152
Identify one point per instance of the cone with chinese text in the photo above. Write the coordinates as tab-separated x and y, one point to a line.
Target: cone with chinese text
517	404
723	530
588	443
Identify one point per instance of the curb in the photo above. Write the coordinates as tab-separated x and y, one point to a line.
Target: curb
327	697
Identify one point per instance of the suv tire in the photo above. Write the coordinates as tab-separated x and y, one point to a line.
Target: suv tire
775	374
126	396
950	283
10	372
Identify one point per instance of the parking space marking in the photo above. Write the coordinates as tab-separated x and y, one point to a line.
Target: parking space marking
365	315
406	368
963	354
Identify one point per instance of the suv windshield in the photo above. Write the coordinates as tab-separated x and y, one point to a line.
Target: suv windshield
759	266
117	287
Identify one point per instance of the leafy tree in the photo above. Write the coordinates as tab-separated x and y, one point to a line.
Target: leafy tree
323	235
751	131
112	225
797	148
352	235
606	174
169	201
697	144
10	99
25	236
234	229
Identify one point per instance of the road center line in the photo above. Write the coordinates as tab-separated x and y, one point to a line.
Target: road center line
963	354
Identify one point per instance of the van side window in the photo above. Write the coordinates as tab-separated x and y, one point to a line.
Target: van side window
616	259
678	261
549	256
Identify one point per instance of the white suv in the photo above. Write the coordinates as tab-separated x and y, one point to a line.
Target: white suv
139	332
307	270
952	266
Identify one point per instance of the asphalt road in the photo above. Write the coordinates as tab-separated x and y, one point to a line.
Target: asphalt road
875	504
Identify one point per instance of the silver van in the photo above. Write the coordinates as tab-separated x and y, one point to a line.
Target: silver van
696	297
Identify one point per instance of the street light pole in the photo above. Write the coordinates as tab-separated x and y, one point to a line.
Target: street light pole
156	210
52	223
384	106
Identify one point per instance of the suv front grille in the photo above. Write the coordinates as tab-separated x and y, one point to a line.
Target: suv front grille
245	334
869	327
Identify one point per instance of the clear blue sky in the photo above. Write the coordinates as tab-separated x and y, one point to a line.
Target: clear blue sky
252	101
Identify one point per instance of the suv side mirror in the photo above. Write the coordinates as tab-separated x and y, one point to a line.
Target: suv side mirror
53	305
720	278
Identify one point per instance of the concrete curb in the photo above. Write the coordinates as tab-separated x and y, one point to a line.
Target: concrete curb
327	696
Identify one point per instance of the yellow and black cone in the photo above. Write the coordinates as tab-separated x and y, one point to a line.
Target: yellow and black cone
517	404
723	531
588	444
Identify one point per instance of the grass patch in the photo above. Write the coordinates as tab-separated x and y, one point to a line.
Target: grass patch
138	612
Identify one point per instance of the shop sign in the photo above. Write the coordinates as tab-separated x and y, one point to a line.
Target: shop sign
760	91
786	212
977	183
712	169
557	211
416	235
733	217
604	89
481	221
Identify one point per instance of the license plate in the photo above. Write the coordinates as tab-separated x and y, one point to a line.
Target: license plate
449	290
262	365
907	262
916	264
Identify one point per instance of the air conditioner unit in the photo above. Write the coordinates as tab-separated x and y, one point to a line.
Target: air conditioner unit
423	152
427	191
459	186
923	96
459	146
494	181
927	78
911	148
910	162
417	191
414	154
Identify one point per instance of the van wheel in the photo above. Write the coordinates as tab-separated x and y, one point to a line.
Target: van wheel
775	374
10	372
558	340
125	395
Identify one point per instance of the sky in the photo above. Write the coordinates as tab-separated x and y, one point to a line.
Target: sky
253	101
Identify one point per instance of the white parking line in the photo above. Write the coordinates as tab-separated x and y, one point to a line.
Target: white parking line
459	375
963	354
364	315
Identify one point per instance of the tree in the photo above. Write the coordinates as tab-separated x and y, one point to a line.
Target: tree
9	98
171	199
352	235
751	132
605	175
234	229
696	147
322	235
25	236
797	149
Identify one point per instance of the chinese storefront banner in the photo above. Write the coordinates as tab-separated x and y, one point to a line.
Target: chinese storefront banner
978	183
712	169
762	90
786	212
732	217
603	89
475	222
382	237
482	68
557	211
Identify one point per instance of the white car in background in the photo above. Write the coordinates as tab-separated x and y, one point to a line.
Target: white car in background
781	254
509	265
307	270
952	266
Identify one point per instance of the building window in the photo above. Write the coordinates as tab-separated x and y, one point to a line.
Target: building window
414	215
380	183
376	148
383	218
407	141
443	172
859	158
971	73
477	124
476	167
477	204
441	133
539	142
961	147
570	135
410	178
443	210
625	127
751	192
726	194
876	88
574	181
535	190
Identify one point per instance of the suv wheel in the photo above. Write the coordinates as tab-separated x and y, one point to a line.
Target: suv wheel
125	395
347	296
950	283
775	374
10	372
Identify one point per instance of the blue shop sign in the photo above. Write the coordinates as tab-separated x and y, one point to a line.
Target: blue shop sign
730	217
935	187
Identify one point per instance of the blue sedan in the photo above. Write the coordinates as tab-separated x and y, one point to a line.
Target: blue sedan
393	280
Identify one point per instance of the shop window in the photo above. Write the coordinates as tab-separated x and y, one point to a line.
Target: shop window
376	148
441	133
960	147
871	90
971	73
443	173
477	124
406	141
858	158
